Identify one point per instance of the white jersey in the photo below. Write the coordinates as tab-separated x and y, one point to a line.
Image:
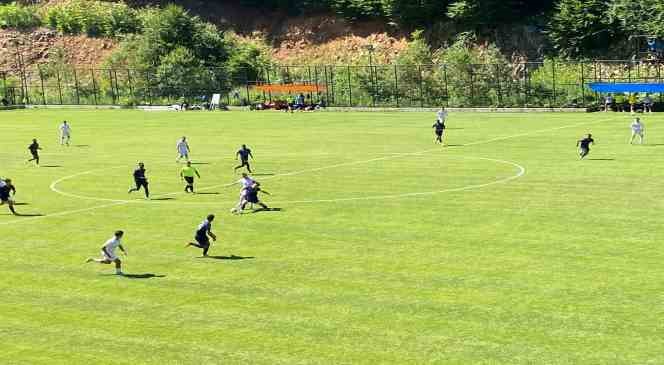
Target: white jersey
182	147
110	246
246	182
65	129
442	115
637	127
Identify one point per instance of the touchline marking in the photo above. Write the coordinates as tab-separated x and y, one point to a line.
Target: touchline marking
116	202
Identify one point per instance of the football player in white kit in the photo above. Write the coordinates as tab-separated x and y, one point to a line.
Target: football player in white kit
65	133
442	115
637	130
183	149
108	252
246	182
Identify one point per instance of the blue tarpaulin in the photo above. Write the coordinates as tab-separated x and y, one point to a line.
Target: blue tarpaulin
625	87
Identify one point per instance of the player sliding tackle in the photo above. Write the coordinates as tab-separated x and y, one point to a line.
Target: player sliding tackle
108	255
245	182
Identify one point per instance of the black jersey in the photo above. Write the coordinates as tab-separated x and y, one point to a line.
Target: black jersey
585	143
5	189
244	154
439	126
139	174
33	147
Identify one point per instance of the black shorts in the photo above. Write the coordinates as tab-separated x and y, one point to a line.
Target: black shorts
34	154
4	198
143	183
439	133
203	240
244	162
584	151
189	180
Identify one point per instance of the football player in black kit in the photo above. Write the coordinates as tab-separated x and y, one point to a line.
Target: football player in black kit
439	129
141	180
584	146
6	188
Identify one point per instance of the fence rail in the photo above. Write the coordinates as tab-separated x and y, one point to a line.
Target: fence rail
532	84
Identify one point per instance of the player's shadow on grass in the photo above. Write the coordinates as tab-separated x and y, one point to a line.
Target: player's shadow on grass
208	193
200	163
231	257
259	210
453	145
21	203
652	144
264	174
81	145
29	215
163	198
143	276
601	159
137	276
51	166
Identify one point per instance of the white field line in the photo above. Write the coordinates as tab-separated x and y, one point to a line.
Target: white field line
121	202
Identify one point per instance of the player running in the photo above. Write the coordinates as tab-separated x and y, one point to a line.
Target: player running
439	130
442	115
584	146
34	151
65	133
202	232
141	180
6	190
637	130
187	173
244	154
108	252
183	149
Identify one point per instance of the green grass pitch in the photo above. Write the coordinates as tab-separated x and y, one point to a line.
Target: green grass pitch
503	248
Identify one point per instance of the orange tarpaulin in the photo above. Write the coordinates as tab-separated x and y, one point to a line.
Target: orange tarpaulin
291	88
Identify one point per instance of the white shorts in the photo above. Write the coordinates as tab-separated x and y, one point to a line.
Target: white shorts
635	133
107	256
184	153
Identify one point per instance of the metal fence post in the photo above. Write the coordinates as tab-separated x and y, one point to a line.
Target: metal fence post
583	86
350	89
553	77
148	86
131	86
499	89
78	98
117	87
246	84
110	79
396	84
419	72
57	73
447	92
94	85
327	86
41	78
4	83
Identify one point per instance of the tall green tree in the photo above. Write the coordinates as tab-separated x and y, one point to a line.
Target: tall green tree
581	27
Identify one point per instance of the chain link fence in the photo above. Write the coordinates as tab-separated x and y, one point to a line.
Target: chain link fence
533	84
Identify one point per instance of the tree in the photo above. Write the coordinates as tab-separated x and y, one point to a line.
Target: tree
579	27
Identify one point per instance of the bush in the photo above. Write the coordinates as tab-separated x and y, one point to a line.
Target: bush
94	18
18	16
